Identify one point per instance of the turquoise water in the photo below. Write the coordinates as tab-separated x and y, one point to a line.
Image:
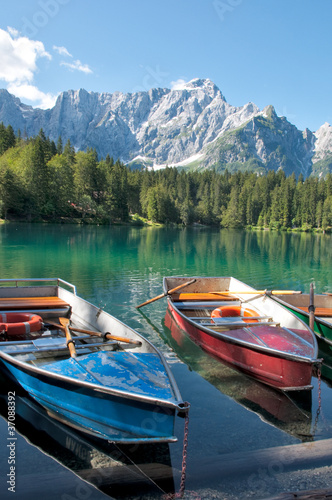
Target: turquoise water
118	268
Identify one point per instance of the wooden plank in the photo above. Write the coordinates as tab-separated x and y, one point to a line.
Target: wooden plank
59	481
236	324
19	303
126	475
229	319
281	459
203	305
201	296
202	470
319	311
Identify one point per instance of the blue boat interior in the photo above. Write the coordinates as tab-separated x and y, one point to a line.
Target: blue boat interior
139	373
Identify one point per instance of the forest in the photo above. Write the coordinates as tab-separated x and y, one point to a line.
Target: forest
41	180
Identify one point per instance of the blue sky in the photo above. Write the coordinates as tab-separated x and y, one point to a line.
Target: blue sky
265	51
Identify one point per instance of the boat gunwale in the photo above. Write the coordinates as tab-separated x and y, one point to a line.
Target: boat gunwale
37	280
223	337
318	319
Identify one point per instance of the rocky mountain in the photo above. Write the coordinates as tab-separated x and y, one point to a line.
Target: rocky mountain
192	127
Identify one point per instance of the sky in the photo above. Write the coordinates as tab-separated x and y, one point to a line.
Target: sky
262	51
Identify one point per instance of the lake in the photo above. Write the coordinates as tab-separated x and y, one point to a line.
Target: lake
244	439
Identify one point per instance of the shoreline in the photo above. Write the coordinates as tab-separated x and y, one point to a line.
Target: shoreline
137	221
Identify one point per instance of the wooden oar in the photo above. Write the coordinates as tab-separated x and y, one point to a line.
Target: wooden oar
70	343
169	292
260	292
108	336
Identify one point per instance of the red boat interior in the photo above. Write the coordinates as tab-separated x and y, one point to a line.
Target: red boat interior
227	315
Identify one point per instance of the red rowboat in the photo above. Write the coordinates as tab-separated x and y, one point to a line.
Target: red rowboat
245	328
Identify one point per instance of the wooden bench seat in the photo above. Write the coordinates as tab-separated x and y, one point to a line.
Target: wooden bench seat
26	303
194	305
201	296
320	311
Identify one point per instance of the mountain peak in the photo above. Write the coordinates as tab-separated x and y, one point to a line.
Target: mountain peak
200	82
325	127
203	84
270	112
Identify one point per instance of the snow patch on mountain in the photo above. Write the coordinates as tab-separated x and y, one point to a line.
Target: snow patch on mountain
323	142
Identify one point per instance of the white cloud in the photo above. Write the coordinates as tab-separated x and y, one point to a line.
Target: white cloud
18	65
31	93
18	57
62	51
178	84
77	66
13	31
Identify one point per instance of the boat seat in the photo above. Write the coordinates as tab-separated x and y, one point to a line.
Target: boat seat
31	303
241	324
323	312
46	307
201	296
228	319
204	304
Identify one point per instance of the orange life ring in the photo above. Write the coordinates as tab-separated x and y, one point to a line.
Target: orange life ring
234	312
20	323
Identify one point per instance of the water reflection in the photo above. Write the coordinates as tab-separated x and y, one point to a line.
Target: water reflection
326	368
117	470
111	253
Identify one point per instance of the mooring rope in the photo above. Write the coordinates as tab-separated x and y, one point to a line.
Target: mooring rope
138	468
168	496
319	377
180	493
184	453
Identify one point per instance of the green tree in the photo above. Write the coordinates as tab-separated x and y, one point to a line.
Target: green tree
61	180
276	208
59	146
7	138
11	193
84	173
327	213
152	204
117	195
69	152
36	178
232	218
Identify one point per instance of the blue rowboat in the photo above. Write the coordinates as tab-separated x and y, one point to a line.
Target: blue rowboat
116	386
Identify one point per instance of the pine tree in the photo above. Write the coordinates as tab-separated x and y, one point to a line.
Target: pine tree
7	138
232	217
69	152
59	146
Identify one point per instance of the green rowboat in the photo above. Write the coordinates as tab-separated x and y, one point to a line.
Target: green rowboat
299	305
